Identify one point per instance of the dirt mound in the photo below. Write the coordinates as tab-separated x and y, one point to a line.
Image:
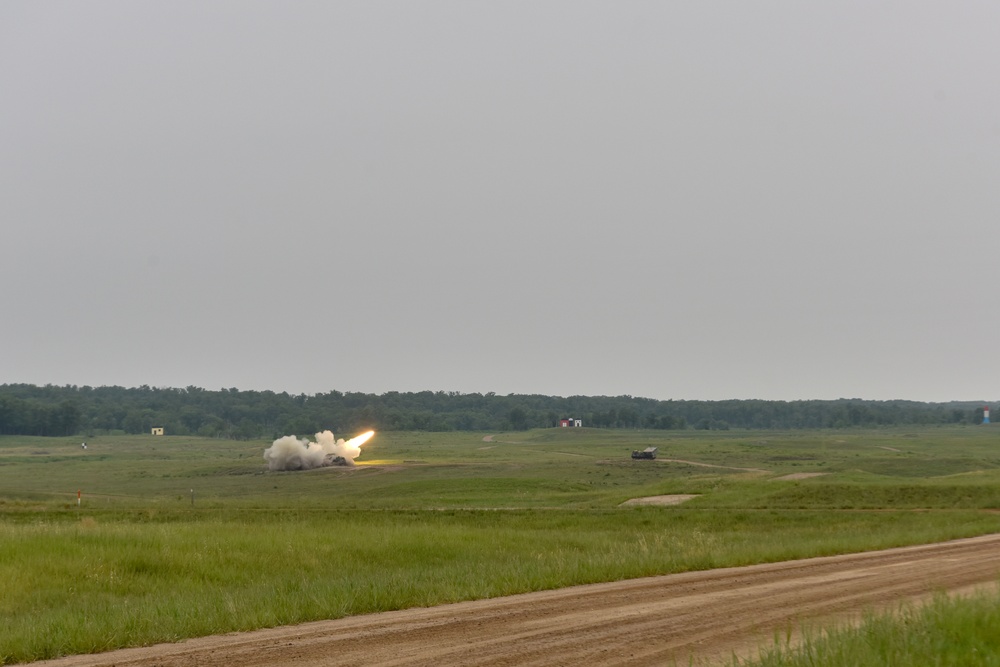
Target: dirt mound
675	499
799	475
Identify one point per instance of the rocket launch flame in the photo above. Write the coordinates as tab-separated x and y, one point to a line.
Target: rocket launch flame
290	453
361	439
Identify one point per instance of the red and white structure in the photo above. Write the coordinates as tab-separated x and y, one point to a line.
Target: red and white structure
986	414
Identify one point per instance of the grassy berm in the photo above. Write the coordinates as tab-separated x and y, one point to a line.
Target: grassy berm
181	537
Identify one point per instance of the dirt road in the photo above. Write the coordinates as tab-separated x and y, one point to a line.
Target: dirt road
702	615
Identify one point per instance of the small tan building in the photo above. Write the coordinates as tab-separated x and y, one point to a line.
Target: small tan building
157	430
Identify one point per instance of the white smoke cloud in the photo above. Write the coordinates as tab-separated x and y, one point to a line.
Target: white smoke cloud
290	453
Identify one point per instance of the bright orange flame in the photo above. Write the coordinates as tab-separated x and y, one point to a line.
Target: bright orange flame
361	439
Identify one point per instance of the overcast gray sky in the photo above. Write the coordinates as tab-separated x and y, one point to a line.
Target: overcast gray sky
688	200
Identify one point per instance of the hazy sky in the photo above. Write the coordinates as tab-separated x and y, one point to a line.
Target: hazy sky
689	200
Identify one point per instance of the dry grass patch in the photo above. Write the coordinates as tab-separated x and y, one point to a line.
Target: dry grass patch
799	475
675	499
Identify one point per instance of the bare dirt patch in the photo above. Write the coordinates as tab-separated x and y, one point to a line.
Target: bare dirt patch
701	616
712	465
675	499
799	475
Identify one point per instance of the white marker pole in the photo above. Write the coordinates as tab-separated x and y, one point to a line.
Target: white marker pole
78	494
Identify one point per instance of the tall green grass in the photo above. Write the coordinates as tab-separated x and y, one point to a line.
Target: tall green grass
106	580
959	632
431	518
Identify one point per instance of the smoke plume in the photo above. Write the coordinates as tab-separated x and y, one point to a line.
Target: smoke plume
290	453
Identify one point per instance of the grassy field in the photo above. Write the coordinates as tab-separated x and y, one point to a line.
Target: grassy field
948	632
178	537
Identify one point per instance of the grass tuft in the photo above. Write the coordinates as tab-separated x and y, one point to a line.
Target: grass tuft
948	632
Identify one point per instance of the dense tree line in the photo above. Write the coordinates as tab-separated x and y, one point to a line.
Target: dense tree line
231	413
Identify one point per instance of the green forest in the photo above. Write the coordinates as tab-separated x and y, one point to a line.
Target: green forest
231	413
